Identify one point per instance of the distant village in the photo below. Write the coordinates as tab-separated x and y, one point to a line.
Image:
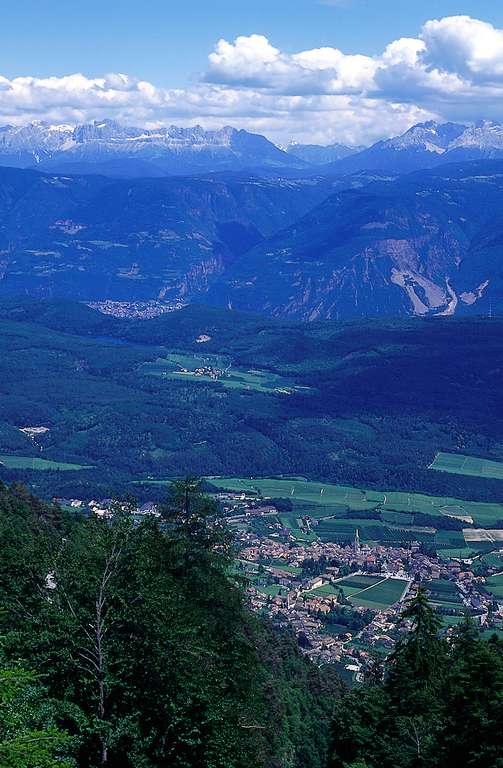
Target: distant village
299	585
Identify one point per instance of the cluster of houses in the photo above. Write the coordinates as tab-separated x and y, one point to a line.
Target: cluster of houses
292	598
286	578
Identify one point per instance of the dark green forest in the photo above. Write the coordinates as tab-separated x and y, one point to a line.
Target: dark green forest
369	402
432	705
132	646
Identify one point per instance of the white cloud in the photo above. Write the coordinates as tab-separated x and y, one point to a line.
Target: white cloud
466	46
453	69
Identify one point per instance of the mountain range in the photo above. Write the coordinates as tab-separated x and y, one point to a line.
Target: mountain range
112	149
396	229
426	145
424	243
95	238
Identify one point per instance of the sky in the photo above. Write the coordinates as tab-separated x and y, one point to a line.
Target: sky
315	71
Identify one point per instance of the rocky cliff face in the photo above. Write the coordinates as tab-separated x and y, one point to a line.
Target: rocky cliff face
425	244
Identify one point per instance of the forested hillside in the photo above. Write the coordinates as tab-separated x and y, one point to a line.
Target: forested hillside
433	705
131	646
121	401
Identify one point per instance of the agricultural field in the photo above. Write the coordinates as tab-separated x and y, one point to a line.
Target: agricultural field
493	560
473	466
34	463
494	585
178	366
474	536
445	596
372	592
395	503
395	518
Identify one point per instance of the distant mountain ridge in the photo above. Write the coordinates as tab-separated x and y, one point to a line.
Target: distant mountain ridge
425	243
96	238
111	148
426	145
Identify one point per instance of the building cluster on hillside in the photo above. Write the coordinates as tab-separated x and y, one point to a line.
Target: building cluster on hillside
297	582
143	310
293	597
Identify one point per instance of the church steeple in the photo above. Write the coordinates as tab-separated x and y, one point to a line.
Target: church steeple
356	544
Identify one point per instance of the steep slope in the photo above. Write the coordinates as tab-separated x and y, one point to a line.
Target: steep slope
113	149
186	665
89	237
425	243
427	145
422	146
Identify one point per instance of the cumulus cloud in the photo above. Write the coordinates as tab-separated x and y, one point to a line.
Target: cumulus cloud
453	69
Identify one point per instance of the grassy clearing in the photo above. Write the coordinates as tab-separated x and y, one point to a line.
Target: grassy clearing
216	368
286	568
452	621
473	466
38	465
456	553
324	591
380	596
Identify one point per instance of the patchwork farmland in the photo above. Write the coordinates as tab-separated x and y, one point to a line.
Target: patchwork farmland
454	527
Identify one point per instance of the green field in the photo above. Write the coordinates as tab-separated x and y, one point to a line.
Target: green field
445	595
324	591
473	466
381	596
452	621
372	591
325	496
36	464
178	366
494	585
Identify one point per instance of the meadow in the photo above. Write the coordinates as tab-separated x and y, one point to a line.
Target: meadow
494	585
324	495
179	366
373	592
472	466
34	463
378	595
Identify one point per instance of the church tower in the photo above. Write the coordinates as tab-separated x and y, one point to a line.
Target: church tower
356	544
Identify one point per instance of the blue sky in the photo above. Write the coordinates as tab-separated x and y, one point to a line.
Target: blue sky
168	41
320	70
